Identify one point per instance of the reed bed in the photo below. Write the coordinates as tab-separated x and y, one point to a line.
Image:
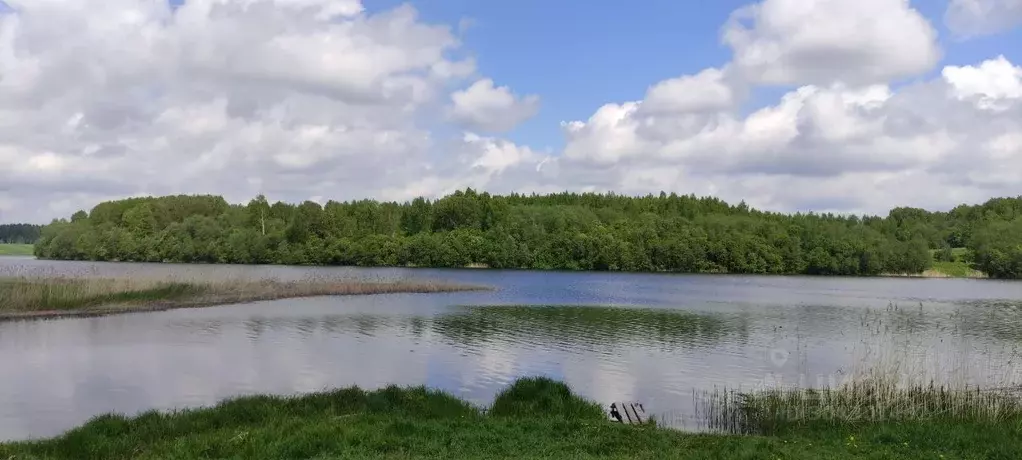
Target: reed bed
775	411
897	378
28	296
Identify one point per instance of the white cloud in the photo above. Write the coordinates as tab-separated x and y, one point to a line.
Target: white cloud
483	163
300	99
705	91
994	84
794	42
487	107
982	17
837	147
293	98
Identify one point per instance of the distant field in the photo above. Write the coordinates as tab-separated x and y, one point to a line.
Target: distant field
15	249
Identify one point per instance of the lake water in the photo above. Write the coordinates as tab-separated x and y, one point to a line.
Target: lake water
646	337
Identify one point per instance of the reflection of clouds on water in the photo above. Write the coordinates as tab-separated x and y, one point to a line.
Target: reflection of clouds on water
496	362
602	380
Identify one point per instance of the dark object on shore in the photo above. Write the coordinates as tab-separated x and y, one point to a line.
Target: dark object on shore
628	413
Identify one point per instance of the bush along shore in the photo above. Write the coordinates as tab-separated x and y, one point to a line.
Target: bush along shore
34	297
564	231
533	418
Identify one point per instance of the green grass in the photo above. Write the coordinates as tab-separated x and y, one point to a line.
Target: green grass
957	253
15	249
421	423
957	269
960	267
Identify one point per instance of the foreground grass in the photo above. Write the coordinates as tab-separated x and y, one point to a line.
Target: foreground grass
15	249
534	418
55	296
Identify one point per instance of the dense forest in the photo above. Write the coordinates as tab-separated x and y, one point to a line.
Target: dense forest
19	233
559	231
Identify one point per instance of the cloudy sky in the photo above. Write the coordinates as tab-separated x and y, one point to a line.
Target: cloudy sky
826	105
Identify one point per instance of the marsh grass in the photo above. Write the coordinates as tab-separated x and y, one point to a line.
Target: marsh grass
26	294
774	411
22	296
895	379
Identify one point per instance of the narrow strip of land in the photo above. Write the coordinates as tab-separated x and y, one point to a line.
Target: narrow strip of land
31	297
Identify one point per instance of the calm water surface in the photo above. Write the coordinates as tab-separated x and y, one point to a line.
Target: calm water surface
652	338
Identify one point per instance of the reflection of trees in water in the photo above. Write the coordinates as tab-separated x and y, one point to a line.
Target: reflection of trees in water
582	327
570	327
353	324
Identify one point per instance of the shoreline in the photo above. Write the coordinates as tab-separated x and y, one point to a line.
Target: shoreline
533	417
201	295
930	273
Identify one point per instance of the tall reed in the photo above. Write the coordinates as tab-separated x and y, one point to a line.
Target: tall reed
776	410
46	295
896	378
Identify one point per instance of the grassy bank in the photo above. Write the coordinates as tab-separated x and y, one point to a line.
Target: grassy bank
952	263
957	269
15	249
534	418
22	297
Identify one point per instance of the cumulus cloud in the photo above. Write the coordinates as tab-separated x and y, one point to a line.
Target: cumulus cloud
795	42
993	84
300	99
293	98
706	91
982	17
487	107
836	147
483	163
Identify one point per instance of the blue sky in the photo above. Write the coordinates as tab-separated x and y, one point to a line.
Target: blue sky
580	55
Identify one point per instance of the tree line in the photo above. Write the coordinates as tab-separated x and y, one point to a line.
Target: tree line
569	231
19	233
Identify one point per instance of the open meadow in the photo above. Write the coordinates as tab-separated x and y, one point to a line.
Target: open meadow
15	249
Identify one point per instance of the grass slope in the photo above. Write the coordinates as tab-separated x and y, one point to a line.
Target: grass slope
422	423
15	249
959	267
956	269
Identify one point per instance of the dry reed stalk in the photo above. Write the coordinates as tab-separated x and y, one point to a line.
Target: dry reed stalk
30	297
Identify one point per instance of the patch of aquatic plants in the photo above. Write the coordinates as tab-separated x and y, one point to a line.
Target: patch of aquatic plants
588	326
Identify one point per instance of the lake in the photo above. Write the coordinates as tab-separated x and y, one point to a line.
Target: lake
655	338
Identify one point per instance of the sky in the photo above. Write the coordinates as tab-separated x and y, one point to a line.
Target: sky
850	106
